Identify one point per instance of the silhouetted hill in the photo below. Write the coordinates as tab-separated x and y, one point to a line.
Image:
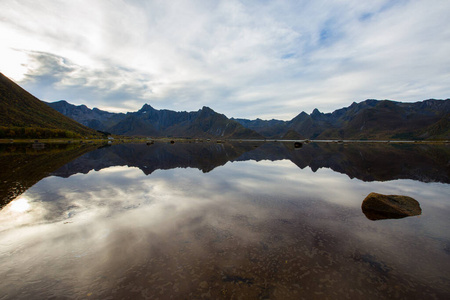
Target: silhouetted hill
23	115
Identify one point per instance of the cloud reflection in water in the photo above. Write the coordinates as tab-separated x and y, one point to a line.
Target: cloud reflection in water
250	228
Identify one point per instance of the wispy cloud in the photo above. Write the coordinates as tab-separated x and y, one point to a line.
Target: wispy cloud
55	76
244	59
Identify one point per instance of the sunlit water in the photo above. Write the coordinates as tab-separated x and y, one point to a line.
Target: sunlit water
245	230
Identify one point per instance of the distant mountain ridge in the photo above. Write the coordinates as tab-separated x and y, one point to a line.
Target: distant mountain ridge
93	118
204	123
369	119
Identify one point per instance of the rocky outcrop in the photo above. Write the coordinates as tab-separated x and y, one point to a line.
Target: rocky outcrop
378	207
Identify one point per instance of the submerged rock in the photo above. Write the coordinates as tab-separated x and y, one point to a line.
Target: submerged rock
378	207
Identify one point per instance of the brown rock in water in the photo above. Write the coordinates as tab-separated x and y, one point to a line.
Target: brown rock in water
378	207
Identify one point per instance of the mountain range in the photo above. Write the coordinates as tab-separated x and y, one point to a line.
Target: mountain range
369	119
204	123
23	115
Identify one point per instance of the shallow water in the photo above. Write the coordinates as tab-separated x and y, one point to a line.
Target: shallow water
229	221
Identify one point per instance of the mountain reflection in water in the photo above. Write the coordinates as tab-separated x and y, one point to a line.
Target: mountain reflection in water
23	165
138	221
367	162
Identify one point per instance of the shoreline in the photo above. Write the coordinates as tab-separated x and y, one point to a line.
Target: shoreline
208	140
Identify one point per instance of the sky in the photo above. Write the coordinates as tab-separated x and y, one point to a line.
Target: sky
245	59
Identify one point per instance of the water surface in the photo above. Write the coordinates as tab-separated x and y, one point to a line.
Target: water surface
230	221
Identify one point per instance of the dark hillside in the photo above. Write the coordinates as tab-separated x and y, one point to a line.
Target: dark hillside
23	115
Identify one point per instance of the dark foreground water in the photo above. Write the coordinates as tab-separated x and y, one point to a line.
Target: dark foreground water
222	221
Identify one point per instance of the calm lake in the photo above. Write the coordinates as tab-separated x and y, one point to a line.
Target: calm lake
222	221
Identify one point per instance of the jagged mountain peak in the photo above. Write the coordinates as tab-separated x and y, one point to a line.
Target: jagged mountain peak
303	114
62	101
316	113
146	107
207	108
207	111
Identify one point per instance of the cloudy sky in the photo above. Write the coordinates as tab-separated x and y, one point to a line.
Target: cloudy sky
266	59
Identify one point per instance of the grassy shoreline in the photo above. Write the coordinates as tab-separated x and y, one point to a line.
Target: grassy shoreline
201	140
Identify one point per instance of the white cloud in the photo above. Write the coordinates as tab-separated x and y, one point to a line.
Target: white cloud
244	59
